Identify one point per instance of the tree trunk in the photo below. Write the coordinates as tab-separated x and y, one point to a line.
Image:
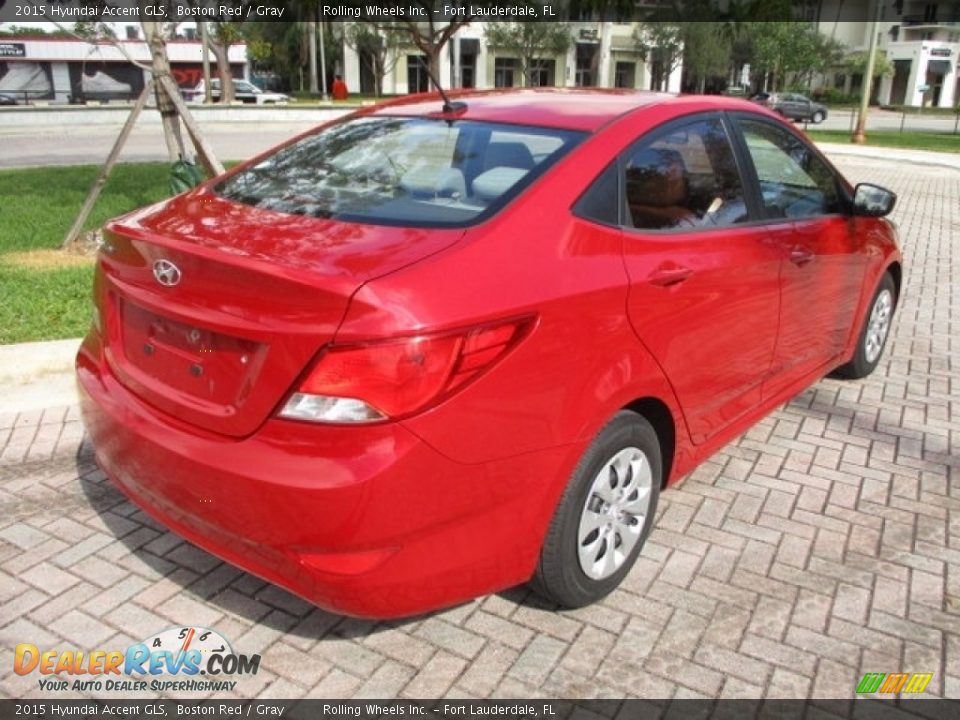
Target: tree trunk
433	64
220	52
161	68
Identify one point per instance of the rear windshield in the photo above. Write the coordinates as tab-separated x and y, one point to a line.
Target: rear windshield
401	171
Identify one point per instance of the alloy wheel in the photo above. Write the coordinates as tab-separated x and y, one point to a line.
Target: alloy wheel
614	513
879	326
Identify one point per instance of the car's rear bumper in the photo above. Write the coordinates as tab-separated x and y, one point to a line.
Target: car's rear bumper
365	521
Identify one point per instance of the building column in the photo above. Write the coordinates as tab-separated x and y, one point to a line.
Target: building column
60	77
351	68
603	67
569	71
675	80
483	57
443	72
947	97
885	89
918	72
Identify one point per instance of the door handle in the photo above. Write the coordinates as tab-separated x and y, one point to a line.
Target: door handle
800	256
665	277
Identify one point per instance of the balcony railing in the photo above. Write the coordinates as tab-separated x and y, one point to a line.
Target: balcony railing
914	20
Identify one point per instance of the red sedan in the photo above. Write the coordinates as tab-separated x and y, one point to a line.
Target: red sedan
435	350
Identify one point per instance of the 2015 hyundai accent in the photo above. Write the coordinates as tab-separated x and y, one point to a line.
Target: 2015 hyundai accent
438	349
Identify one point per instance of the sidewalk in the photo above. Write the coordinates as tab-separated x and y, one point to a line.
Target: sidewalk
37	375
914	157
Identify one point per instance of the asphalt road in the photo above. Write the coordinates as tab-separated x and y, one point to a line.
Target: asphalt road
89	145
887	120
77	143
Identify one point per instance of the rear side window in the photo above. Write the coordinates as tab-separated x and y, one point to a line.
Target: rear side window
685	179
401	171
794	182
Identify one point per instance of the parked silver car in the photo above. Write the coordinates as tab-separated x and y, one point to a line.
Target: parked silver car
244	91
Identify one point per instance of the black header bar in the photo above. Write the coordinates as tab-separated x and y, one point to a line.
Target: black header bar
444	11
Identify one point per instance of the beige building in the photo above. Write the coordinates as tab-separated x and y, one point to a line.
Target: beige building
920	37
601	54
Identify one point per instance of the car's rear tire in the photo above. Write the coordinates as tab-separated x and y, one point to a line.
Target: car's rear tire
874	332
818	117
604	515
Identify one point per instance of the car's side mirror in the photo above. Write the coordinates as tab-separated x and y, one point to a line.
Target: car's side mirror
873	200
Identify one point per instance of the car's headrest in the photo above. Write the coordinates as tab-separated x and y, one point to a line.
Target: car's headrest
493	183
445	182
508	154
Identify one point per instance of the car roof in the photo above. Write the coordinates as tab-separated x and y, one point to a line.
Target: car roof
584	109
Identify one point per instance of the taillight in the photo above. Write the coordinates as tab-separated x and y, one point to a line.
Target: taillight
386	380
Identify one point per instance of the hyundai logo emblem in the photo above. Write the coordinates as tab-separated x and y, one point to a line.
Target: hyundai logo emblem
166	273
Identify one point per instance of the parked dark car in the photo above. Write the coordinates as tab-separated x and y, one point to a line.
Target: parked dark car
8	100
793	106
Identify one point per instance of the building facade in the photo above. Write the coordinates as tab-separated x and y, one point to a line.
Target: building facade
921	38
601	54
63	70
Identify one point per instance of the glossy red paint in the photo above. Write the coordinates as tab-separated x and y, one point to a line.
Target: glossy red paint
399	517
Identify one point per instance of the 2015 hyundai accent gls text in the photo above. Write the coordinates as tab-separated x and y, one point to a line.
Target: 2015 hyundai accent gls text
437	349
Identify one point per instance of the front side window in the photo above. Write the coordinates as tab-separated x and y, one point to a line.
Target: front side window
687	178
401	171
794	182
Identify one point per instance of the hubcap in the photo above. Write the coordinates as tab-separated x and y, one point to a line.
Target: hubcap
878	326
614	513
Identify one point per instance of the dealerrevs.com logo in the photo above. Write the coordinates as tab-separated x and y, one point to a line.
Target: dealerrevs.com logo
180	659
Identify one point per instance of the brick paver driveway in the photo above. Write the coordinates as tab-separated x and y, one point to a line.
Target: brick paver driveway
823	544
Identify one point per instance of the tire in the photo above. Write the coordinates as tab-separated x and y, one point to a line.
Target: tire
874	332
583	557
818	117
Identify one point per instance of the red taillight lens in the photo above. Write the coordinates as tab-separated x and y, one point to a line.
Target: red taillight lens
385	380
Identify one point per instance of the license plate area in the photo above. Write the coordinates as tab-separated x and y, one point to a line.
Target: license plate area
168	355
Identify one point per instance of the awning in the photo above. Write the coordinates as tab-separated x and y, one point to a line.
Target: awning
469	46
938	67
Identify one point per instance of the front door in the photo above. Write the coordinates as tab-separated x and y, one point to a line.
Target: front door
822	270
704	283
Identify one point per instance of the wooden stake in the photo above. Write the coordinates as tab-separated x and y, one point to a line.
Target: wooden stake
205	152
104	173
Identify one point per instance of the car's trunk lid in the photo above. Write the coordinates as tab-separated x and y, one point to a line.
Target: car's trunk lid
256	295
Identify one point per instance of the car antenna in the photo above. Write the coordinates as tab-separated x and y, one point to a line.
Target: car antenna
448	106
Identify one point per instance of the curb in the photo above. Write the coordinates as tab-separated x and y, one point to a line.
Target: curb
37	375
887	154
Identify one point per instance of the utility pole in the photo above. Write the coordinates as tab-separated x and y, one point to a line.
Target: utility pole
323	66
859	133
312	46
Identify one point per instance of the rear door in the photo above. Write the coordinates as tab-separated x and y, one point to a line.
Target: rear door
823	270
704	280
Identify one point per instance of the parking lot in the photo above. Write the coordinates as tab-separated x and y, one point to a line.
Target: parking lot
821	545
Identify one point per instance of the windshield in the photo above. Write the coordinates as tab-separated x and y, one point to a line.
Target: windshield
401	171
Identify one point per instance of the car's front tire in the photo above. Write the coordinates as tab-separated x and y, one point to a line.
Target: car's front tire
818	117
604	515
874	332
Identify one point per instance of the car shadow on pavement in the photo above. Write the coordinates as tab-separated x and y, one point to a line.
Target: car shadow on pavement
162	555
